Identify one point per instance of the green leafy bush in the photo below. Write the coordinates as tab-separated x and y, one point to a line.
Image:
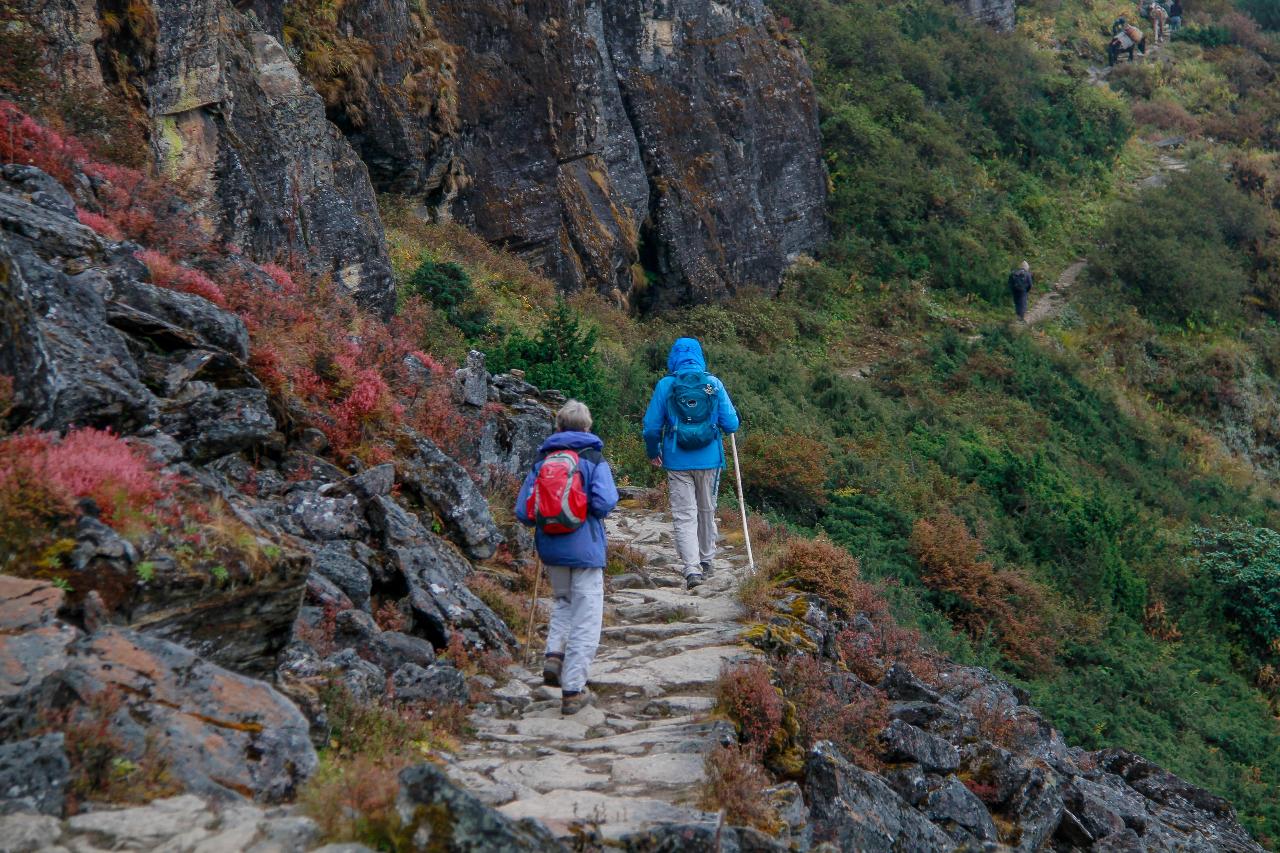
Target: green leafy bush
448	288
1244	561
1182	250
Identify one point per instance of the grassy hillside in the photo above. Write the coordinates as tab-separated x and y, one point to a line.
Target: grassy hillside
1085	506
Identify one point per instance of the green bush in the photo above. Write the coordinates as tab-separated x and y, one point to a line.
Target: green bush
1183	250
1205	35
1244	561
1265	12
563	356
448	288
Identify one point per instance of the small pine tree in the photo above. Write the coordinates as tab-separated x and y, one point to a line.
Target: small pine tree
563	356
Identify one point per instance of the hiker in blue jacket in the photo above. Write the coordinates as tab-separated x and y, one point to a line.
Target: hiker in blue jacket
574	560
683	428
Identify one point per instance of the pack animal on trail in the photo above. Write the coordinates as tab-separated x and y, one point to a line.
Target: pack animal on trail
1128	39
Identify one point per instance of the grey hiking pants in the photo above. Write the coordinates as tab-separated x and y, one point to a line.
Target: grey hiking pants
577	609
693	514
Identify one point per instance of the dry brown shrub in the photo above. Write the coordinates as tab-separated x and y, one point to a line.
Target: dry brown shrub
869	654
102	766
1159	624
825	569
1165	115
1006	603
756	592
735	785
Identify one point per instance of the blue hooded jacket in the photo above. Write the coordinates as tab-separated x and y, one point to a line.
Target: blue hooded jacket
686	354
584	548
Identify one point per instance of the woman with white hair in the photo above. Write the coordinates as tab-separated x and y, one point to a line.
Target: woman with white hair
566	497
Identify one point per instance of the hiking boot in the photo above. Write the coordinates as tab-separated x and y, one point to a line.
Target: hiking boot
692	580
705	565
551	665
572	703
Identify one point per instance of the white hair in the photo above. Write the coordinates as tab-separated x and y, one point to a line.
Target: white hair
574	416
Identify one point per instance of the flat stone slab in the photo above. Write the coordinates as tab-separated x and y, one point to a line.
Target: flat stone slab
668	769
145	825
548	774
551	728
680	734
693	668
560	809
680	705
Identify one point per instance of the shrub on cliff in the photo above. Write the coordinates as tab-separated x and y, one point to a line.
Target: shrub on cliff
563	356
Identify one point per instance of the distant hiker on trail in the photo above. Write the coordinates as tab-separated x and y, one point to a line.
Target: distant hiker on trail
1159	17
1020	285
687	416
566	496
1118	26
1175	15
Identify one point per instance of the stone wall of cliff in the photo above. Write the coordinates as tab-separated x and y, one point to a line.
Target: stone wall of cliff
231	117
997	14
622	146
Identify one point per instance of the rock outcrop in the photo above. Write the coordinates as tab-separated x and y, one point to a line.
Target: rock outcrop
998	14
229	114
611	144
219	733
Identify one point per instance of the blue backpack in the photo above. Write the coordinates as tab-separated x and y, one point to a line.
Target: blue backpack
692	409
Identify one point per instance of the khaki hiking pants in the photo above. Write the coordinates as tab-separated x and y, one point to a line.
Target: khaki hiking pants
693	514
577	610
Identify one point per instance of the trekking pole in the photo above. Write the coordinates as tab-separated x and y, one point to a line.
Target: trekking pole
742	501
533	610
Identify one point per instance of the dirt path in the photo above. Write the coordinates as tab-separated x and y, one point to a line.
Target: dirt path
1051	303
636	758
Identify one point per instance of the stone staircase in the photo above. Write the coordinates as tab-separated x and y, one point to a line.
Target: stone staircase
636	758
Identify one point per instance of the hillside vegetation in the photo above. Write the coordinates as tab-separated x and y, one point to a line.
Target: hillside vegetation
1087	506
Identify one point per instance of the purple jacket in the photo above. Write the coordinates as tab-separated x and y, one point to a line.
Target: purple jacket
584	548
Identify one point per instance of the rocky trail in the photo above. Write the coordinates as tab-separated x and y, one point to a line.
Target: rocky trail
635	759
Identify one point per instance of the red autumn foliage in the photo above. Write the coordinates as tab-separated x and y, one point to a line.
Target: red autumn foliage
165	272
746	694
822	715
869	654
85	463
984	599
310	341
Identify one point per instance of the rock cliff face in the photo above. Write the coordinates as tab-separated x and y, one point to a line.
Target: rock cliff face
997	14
617	145
229	114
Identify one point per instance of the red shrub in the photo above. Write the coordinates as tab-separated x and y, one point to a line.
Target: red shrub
165	272
747	696
869	654
824	568
823	716
86	463
99	223
24	140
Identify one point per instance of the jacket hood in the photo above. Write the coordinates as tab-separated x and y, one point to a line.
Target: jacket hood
686	354
572	441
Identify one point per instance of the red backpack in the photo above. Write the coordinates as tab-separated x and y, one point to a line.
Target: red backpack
558	500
